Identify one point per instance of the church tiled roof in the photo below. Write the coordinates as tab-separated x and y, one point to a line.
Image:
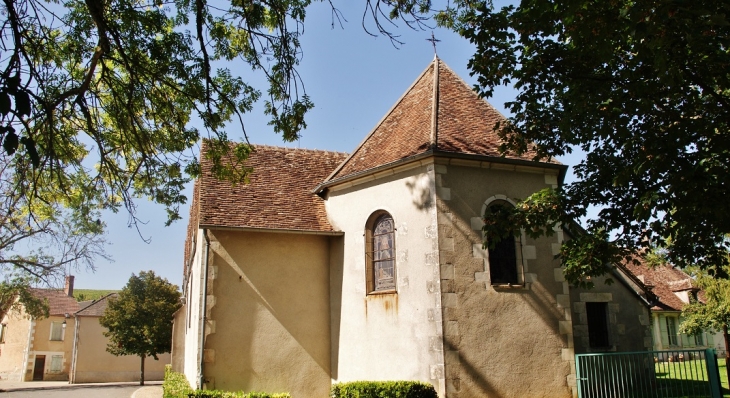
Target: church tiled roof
278	195
448	119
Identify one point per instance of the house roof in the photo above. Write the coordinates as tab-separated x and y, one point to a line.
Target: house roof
439	113
96	307
59	303
278	195
664	280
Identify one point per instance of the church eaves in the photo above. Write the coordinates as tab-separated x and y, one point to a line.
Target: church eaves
438	114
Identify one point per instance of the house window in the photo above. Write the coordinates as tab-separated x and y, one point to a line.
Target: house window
671	330
56	331
503	265
699	340
380	250
597	314
3	330
56	364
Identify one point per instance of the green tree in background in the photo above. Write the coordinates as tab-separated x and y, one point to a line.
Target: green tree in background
713	314
139	319
643	88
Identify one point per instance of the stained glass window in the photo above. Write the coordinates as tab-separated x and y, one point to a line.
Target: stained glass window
383	254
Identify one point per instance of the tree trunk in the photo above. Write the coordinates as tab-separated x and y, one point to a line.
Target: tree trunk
727	351
141	371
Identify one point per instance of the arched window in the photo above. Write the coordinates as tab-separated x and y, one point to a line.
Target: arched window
504	267
380	253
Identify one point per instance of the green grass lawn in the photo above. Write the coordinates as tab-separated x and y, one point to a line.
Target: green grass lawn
681	379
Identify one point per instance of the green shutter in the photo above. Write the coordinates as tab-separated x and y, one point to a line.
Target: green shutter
663	331
686	341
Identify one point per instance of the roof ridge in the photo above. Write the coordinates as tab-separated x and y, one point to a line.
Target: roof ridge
435	104
291	149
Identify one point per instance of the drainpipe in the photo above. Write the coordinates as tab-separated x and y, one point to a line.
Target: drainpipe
201	378
74	352
26	356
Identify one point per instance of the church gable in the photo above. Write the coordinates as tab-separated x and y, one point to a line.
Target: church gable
439	113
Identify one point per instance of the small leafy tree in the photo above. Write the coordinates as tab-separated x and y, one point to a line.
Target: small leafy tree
139	319
714	313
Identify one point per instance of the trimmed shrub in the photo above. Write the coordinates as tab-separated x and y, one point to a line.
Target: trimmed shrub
176	386
383	389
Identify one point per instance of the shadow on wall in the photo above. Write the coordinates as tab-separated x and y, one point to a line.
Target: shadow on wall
541	300
254	290
421	188
337	248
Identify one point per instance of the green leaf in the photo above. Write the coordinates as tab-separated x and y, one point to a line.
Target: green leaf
13	82
22	103
10	143
30	148
4	103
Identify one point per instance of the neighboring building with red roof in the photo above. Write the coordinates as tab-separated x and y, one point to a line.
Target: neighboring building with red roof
673	290
39	349
330	267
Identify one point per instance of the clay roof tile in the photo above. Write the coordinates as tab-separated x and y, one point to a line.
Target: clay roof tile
278	195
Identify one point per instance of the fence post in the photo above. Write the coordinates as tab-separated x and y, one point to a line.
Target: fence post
713	373
578	376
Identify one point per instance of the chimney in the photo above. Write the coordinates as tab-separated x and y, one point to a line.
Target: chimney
69	287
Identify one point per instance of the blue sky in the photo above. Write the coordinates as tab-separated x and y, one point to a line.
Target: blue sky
353	80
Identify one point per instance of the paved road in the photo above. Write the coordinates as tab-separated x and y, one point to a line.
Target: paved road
99	390
91	391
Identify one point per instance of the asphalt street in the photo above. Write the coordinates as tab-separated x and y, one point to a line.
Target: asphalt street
37	390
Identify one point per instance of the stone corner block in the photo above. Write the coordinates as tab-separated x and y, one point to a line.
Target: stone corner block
449	300
437	371
529	252
563	300
565	327
478	252
476	223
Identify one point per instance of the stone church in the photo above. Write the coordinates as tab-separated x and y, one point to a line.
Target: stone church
329	267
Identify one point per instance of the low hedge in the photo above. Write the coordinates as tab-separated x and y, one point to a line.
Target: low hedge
176	386
383	389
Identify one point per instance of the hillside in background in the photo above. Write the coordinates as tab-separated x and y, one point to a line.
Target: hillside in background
90	294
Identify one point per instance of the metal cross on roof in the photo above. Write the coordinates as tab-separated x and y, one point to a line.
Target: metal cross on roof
433	41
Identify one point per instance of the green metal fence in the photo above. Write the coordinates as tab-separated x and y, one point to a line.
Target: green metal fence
648	374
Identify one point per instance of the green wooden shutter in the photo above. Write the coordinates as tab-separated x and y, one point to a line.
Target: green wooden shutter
663	331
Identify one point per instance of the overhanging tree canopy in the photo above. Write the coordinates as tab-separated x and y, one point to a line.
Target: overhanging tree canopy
99	103
643	88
